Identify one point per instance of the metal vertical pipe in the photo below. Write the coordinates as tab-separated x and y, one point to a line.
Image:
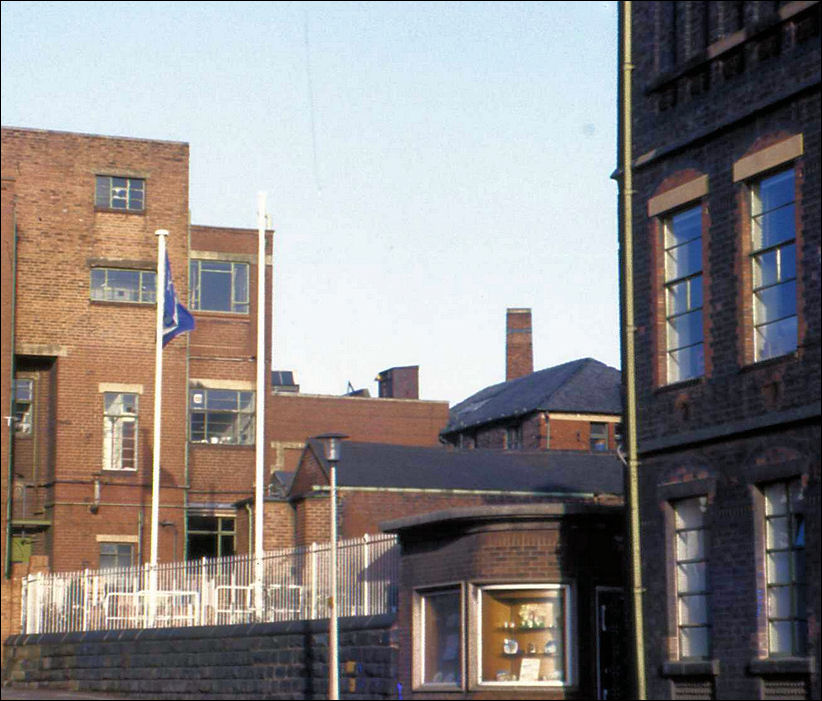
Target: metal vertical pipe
628	330
260	414
333	650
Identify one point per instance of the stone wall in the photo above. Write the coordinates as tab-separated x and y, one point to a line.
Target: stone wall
286	660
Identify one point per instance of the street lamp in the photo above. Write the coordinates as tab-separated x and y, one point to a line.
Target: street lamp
333	445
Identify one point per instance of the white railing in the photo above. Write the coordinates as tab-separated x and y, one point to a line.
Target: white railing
221	591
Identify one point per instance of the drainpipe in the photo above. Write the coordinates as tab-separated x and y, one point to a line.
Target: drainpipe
250	513
628	330
12	367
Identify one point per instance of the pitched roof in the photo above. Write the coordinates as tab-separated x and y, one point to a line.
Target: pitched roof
380	465
580	386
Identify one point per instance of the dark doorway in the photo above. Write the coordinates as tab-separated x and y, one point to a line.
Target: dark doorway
611	649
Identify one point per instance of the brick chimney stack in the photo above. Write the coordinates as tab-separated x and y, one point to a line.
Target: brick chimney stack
519	350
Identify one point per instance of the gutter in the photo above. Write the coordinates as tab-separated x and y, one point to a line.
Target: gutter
318	488
627	331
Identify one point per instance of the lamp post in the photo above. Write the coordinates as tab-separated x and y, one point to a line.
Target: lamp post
333	444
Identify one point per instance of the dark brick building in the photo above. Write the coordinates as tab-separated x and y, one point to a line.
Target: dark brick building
725	167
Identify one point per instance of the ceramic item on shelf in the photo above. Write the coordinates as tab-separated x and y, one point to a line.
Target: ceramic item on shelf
550	647
532	649
510	646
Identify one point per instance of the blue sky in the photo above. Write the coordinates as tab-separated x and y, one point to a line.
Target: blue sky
427	165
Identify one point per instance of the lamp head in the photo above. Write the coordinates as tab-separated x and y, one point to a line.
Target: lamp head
333	445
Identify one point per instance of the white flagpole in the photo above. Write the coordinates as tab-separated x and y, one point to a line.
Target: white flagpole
158	401
260	433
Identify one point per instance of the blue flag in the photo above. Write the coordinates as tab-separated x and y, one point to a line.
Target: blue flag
176	318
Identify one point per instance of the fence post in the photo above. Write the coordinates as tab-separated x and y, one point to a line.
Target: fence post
313	581
38	588
85	599
365	575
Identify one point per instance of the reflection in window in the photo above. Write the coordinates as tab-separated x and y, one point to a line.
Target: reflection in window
23	390
219	286
440	641
115	285
524	635
785	567
683	294
599	436
222	416
773	230
693	615
119	431
115	555
120	193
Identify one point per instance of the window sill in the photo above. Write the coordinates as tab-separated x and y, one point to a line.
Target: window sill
674	386
765	666
116	303
205	444
691	668
770	362
113	210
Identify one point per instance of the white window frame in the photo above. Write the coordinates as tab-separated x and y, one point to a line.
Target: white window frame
419	626
778	249
797	584
114	422
569	639
23	418
239	299
681	560
104	289
112	190
198	405
685	282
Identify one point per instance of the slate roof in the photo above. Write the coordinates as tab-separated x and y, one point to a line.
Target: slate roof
380	465
580	386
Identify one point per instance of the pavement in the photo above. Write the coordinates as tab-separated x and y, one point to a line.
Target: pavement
8	692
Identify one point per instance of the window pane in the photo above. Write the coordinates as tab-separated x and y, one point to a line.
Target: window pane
693	610
678	298
780	636
685	330
221	399
773	227
775	302
776	501
123	285
778	536
778	338
215	291
690	545
683	260
776	190
441	638
690	513
765	270
691	577
686	363
695	289
148	287
240	283
779	570
779	602
694	642
787	262
683	227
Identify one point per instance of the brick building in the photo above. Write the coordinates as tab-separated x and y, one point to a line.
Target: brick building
724	247
573	406
79	214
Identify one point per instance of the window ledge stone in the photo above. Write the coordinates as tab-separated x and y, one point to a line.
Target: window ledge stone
763	666
691	668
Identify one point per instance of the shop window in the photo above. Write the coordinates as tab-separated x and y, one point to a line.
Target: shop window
222	416
119	431
692	593
524	635
114	192
785	569
599	436
210	536
218	286
773	257
439	652
683	294
23	389
116	285
116	555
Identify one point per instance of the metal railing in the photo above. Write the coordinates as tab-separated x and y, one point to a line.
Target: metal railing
293	585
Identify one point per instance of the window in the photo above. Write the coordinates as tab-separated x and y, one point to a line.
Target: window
114	285
785	567
773	257
119	431
120	193
525	635
116	555
691	552
219	286
210	536
23	399
599	436
439	650
513	437
683	294
223	416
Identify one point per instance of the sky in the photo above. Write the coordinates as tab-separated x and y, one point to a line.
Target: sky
426	165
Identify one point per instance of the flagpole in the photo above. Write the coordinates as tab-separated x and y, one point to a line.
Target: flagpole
158	401
260	437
